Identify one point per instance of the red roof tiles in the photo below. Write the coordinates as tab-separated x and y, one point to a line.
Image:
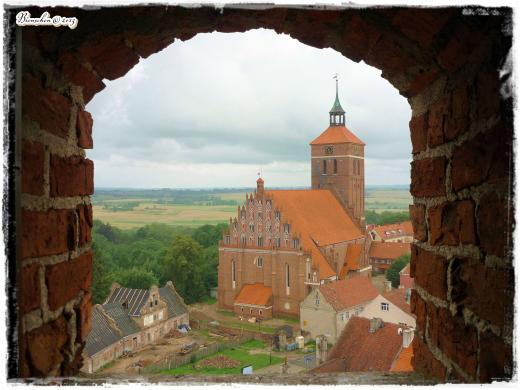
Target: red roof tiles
320	220
364	351
352	258
388	250
343	294
337	135
404	360
255	294
398	298
394	230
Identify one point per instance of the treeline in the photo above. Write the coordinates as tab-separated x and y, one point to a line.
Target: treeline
154	254
386	217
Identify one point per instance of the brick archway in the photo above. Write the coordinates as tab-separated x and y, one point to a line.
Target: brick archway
446	61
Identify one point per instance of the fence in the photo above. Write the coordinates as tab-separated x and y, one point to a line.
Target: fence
174	360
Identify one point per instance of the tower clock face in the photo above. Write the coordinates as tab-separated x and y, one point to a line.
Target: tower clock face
329	150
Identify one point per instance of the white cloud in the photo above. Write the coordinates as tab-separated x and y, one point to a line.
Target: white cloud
222	105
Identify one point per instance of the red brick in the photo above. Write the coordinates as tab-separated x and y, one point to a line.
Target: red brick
387	54
47	233
458	48
483	158
421	82
65	280
78	75
488	93
424	362
45	346
33	157
495	224
452	223
430	271
428	177
84	129
359	37
419	132
84	313
29	288
71	176
495	358
50	109
84	223
437	118
417	216
457	340
457	122
418	307
111	57
421	24
485	291
146	45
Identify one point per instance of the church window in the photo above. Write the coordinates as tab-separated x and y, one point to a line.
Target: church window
287	279
243	214
259	215
286	242
244	240
277	215
268	228
260	262
251	228
296	243
324	167
268	204
233	273
277	242
226	240
335	166
260	241
286	228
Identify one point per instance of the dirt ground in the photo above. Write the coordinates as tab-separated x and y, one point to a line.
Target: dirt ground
151	354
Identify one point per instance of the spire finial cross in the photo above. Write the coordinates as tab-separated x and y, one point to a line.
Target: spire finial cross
336	78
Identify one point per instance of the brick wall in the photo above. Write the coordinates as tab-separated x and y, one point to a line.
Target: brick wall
449	63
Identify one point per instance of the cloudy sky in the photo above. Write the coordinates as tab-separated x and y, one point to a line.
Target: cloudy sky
215	110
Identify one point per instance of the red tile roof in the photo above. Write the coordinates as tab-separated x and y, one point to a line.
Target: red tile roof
320	220
404	360
394	230
342	294
352	259
405	270
364	351
333	365
398	298
388	250
337	135
255	294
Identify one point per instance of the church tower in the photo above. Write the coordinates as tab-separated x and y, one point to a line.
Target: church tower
338	163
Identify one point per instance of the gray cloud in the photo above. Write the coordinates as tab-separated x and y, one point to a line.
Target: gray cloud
241	102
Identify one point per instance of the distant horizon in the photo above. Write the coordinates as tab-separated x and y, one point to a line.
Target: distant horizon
235	188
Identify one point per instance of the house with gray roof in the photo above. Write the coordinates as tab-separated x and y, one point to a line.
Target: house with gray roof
130	319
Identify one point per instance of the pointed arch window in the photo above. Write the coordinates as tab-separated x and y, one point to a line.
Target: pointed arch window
324	167
335	166
233	274
287	279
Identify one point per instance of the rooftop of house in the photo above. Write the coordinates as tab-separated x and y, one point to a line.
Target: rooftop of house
398	298
394	230
403	363
362	350
352	259
388	250
342	294
255	294
133	298
336	135
319	219
405	270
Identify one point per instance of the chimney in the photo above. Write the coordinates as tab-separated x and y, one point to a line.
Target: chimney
407	337
407	295
375	324
388	286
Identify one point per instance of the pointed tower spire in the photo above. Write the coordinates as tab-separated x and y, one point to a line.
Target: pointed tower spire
337	114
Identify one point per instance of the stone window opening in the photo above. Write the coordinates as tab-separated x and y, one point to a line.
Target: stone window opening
445	64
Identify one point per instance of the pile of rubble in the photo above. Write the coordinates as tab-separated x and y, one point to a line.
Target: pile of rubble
219	361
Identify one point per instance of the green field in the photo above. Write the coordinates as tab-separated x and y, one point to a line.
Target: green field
127	210
241	353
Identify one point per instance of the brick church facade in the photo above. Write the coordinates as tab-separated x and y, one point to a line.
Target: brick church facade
284	242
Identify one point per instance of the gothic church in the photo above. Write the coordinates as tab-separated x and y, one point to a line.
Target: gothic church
284	242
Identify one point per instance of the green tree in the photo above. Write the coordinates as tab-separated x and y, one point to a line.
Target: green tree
136	278
101	277
208	235
392	273
183	265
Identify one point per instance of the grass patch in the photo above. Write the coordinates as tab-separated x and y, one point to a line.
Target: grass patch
288	319
253	344
249	326
228	313
241	354
209	300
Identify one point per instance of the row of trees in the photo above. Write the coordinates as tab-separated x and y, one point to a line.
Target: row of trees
154	254
385	217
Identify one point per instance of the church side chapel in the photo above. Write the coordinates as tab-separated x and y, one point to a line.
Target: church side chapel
285	242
